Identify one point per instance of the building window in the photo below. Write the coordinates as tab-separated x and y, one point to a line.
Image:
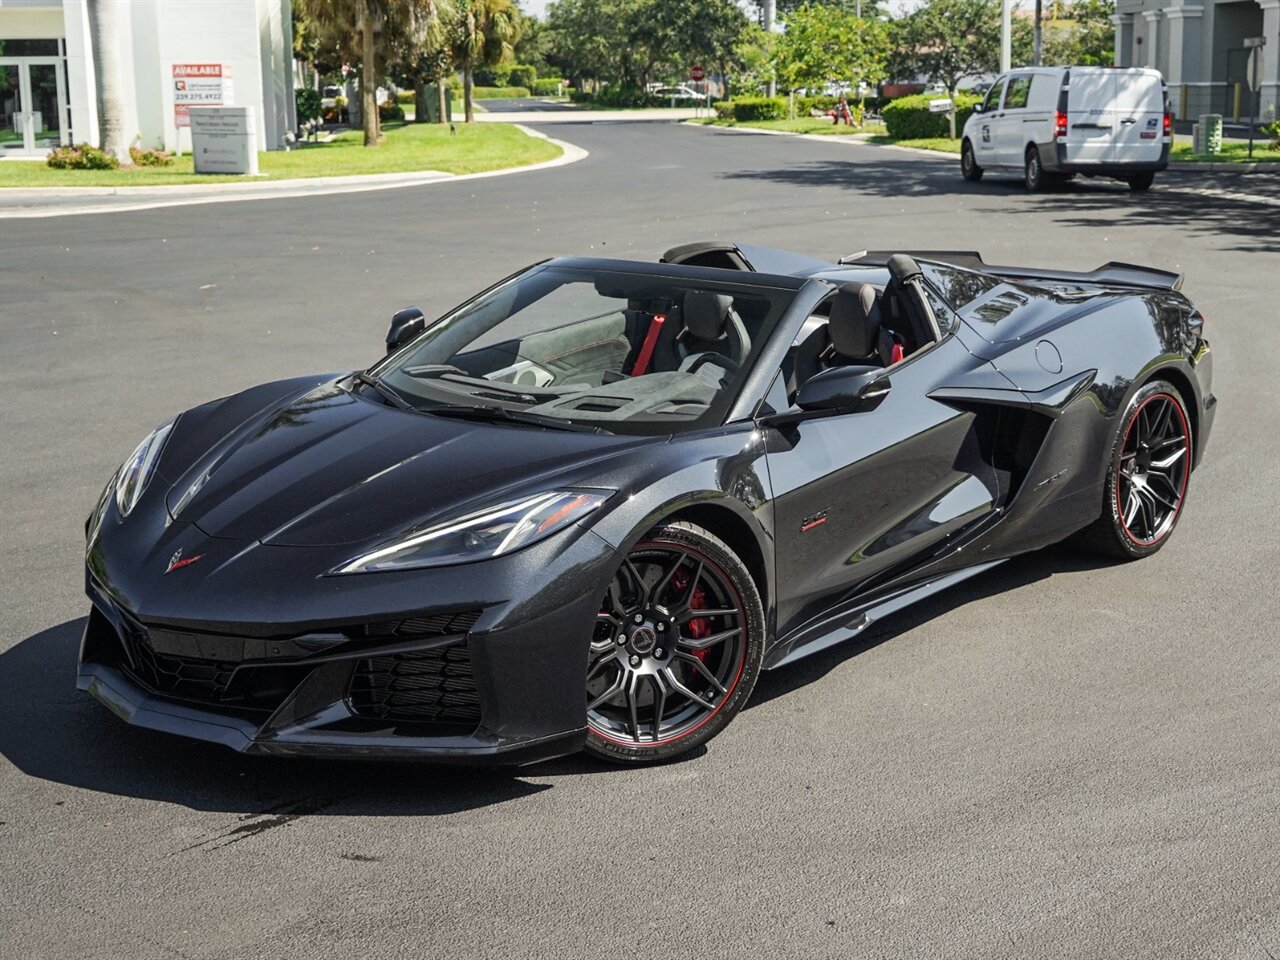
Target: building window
30	48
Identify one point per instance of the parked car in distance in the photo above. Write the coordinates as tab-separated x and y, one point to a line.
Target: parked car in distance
678	93
1051	123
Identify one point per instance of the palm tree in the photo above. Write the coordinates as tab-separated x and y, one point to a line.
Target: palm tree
104	31
485	35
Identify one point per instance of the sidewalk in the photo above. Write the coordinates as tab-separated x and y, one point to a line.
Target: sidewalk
27	202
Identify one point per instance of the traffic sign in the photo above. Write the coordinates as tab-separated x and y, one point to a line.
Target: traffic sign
697	73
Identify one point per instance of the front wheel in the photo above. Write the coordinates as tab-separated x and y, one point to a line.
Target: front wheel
1147	477
676	650
969	168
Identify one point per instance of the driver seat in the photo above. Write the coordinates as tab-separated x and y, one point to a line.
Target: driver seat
713	342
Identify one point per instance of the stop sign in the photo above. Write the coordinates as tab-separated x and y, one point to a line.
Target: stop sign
696	72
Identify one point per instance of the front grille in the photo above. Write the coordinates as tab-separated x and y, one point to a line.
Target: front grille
431	625
435	686
187	678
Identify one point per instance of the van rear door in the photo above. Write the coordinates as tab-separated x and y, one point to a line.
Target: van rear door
1090	120
1139	117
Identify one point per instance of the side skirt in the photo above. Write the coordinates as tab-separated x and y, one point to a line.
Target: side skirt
847	626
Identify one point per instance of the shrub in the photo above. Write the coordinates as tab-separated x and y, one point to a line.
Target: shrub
405	96
308	103
522	75
390	111
151	158
759	108
908	118
81	157
496	76
723	109
1272	130
498	93
547	87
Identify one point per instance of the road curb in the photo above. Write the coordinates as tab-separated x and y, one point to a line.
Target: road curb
182	195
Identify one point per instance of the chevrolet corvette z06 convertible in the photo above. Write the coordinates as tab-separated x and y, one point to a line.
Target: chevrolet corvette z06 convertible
589	506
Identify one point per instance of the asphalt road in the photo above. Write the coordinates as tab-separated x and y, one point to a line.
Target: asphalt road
1059	759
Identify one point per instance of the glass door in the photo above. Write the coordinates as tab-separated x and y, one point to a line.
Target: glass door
12	116
33	104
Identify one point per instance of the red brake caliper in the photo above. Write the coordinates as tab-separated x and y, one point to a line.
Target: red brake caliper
699	627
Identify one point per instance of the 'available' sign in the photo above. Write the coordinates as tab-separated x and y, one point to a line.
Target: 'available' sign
200	85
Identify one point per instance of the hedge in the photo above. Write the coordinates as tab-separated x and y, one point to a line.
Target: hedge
547	86
908	118
747	109
498	93
619	97
522	75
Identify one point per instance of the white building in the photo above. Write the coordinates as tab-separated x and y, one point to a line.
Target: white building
171	53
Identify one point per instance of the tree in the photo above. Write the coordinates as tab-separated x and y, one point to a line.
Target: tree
712	30
1081	32
829	44
484	34
949	40
367	30
104	29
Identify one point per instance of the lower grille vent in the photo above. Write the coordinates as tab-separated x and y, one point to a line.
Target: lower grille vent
434	686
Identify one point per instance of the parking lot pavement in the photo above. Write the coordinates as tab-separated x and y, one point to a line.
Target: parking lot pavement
1060	758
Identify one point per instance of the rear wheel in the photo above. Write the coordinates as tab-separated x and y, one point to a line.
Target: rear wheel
1141	181
677	647
1147	478
969	163
1033	172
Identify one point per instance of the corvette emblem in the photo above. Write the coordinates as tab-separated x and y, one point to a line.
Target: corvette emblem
176	562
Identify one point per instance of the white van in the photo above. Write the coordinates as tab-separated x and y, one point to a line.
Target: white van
1050	123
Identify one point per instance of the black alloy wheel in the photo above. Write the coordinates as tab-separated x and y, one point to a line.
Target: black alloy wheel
969	164
1033	174
676	649
1148	476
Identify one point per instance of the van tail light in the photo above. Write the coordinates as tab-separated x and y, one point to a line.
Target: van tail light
1168	123
1060	125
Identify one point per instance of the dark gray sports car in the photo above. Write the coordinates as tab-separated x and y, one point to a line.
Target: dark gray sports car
589	506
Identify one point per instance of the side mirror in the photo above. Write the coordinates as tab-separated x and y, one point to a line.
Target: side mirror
978	108
405	325
844	390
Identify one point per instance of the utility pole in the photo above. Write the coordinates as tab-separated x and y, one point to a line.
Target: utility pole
768	9
1006	36
1037	52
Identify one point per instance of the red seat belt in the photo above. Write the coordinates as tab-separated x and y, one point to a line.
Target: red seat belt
650	341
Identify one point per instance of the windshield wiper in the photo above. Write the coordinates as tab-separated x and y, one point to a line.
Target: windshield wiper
488	413
383	390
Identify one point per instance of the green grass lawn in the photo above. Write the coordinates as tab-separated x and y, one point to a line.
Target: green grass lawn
818	125
940	144
405	148
1232	152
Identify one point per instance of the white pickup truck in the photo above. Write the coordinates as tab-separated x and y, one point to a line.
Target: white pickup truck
1051	123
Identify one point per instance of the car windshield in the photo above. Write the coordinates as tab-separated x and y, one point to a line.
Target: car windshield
626	352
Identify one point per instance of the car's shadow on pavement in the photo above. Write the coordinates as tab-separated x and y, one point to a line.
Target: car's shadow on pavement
1080	203
1022	571
51	731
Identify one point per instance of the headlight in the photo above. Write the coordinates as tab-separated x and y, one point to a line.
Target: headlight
132	478
479	536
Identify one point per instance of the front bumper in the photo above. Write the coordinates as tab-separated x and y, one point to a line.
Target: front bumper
501	682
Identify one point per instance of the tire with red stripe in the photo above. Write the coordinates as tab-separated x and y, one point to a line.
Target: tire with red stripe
677	647
1147	476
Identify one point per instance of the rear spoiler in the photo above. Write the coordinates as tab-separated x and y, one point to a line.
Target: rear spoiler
1113	273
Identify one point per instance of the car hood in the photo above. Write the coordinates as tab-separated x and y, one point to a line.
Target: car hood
329	468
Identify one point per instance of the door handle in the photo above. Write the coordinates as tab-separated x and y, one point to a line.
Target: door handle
1128	120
